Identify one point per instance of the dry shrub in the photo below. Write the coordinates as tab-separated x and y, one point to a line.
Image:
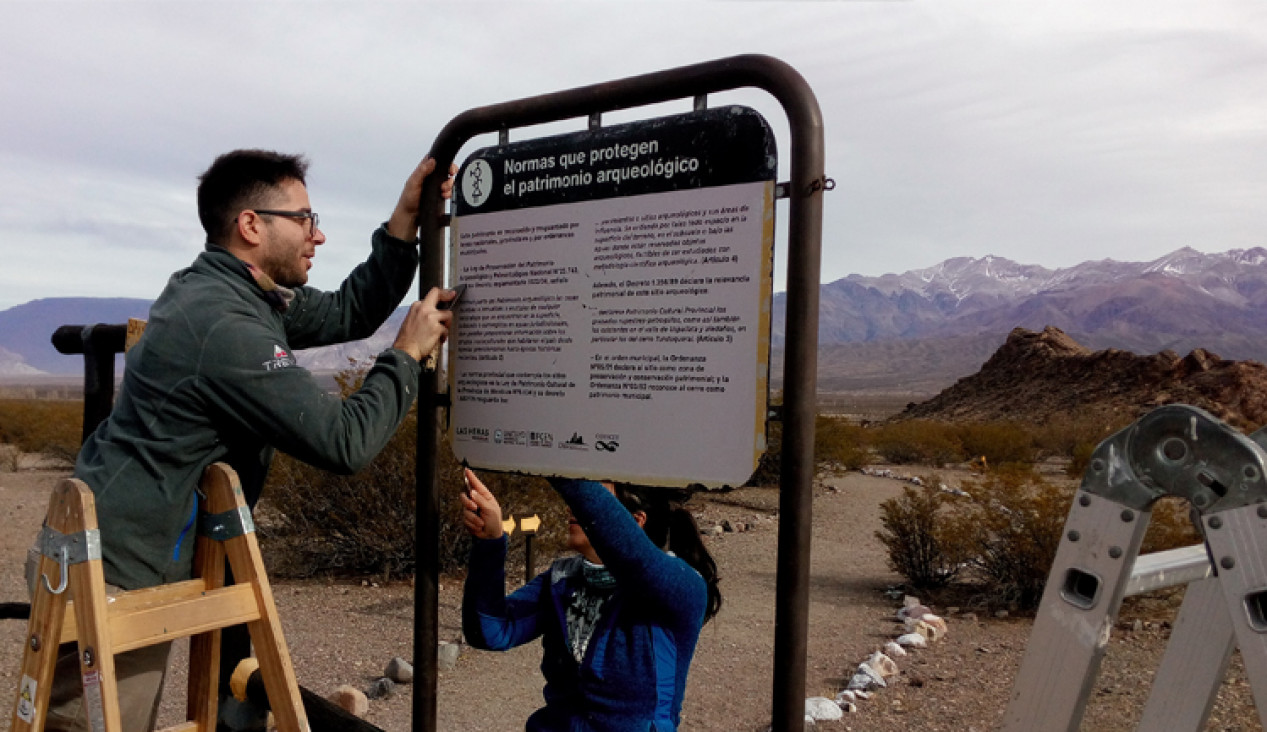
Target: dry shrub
1170	527
313	522
1013	523
839	444
1075	436
915	533
997	442
918	441
49	426
1001	536
9	458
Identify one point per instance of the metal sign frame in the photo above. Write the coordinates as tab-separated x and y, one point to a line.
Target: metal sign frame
805	187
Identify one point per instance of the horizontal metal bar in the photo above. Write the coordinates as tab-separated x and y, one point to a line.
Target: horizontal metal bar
69	339
1168	569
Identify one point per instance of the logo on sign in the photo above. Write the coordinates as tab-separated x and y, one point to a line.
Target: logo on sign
478	434
606	443
575	442
477	183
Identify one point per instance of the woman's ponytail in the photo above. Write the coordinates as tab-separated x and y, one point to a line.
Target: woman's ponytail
672	527
685	542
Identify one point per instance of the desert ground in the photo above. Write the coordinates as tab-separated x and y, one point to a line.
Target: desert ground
347	632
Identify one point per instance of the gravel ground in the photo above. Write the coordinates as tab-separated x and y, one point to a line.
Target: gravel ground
347	633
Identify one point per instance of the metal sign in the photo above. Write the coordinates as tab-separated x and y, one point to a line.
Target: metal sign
617	317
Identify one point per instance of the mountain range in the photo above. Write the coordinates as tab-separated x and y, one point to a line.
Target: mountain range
916	331
1180	301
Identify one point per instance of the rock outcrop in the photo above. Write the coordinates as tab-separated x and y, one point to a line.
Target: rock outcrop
1034	377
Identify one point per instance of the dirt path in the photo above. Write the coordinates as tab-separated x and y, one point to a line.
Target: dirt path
346	634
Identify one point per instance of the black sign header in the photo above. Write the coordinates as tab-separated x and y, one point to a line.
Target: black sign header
711	147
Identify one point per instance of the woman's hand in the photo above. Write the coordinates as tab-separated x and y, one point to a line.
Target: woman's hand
480	510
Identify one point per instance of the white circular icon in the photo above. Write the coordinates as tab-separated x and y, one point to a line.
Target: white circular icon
477	183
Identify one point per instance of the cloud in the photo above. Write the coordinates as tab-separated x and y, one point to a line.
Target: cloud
1048	133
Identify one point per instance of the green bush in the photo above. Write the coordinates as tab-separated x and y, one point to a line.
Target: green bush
49	426
914	531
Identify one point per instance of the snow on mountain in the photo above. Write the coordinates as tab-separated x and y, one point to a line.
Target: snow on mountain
1175	300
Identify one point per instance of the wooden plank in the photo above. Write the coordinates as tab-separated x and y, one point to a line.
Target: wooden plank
224	493
39	657
135	626
203	695
199	608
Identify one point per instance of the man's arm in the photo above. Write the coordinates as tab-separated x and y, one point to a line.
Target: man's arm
372	291
404	221
251	383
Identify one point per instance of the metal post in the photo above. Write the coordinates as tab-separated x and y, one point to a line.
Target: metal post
800	386
529	564
99	344
800	366
529	525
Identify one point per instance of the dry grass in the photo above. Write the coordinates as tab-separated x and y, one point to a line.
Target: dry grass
49	426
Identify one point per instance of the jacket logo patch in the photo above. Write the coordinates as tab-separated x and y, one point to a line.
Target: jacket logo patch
281	359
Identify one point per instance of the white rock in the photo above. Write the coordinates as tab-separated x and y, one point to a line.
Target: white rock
913	611
912	640
351	700
447	655
822	709
893	649
910	601
865	679
886	666
938	624
925	629
400	671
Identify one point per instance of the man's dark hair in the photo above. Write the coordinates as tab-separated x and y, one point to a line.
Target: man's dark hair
239	180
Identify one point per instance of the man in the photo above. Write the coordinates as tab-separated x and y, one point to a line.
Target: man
214	378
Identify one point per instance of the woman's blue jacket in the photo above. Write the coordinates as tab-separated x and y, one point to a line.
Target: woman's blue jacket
633	674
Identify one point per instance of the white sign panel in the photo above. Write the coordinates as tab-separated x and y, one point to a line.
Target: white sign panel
622	333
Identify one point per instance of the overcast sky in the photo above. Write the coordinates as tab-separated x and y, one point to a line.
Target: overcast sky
1048	133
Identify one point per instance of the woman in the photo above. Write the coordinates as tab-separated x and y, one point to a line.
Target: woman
618	623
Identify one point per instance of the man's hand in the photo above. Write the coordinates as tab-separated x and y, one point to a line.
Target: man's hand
480	511
425	327
404	221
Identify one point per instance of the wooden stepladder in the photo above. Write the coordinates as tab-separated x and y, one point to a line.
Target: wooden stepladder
70	604
1175	450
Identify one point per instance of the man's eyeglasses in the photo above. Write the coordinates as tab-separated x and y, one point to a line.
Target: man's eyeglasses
310	215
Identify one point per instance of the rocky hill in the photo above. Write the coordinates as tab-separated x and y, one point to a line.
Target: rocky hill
1036	375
